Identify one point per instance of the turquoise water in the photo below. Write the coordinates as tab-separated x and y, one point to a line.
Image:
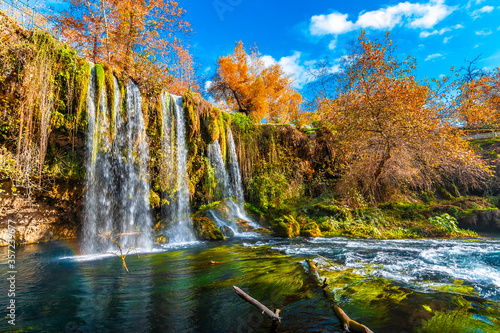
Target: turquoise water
189	289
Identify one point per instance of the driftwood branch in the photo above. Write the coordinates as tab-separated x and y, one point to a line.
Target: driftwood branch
274	316
114	239
348	324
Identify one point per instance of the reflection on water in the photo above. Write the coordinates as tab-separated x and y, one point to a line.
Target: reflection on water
188	288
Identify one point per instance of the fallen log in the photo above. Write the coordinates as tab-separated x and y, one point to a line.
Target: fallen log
348	324
274	316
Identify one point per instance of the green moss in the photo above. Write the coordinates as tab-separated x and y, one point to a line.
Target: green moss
287	227
110	94
100	81
242	122
441	190
321	210
310	230
190	104
207	207
461	319
154	199
213	127
205	229
222	136
82	79
209	184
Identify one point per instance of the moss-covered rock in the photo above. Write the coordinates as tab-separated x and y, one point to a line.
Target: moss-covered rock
487	220
310	230
263	231
226	231
321	210
205	229
161	239
154	199
287	227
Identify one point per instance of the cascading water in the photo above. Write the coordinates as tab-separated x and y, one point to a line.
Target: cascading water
234	172
180	230
117	188
133	171
97	208
223	189
229	186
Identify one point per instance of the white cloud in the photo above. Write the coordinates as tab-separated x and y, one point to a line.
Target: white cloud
296	67
413	15
434	56
486	9
268	60
477	13
447	39
425	34
484	32
334	23
208	84
292	66
333	44
430	14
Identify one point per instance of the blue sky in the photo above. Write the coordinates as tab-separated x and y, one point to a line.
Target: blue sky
439	34
296	33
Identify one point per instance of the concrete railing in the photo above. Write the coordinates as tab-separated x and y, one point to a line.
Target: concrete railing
481	136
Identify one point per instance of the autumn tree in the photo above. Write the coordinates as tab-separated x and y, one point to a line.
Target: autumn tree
244	84
478	100
139	37
388	133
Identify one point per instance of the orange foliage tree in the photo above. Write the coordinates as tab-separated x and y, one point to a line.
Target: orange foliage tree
478	103
244	84
137	36
389	133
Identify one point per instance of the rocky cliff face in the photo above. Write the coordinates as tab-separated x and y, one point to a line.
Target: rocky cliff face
54	216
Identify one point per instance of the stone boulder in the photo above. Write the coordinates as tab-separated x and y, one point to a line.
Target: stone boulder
205	229
485	220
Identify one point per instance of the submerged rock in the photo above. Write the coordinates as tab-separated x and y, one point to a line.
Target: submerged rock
243	225
226	231
162	239
263	231
205	229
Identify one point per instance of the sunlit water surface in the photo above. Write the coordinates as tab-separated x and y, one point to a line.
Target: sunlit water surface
188	287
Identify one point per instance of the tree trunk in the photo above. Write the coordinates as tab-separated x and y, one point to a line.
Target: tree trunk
274	316
348	324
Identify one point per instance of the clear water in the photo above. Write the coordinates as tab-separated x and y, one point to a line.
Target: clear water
188	288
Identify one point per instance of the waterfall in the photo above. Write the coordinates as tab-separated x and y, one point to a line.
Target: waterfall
117	181
179	215
236	184
229	186
214	153
133	170
234	172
